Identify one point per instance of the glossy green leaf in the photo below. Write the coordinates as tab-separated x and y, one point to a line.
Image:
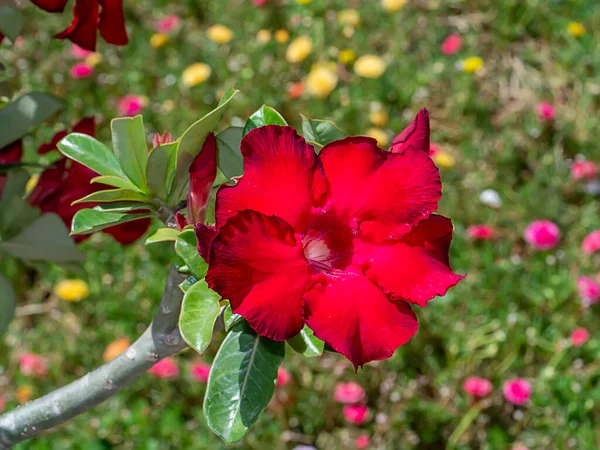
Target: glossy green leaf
123	207
115	181
229	156
88	221
241	382
186	247
46	239
188	283
131	150
160	170
21	115
191	144
11	21
230	318
91	153
199	312
162	235
7	303
15	212
320	132
306	343
113	195
264	116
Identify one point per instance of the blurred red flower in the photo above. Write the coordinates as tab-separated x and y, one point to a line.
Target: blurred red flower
81	70
356	414
481	232
200	371
167	24
130	105
362	441
588	289
542	234
350	392
579	336
32	364
165	368
584	170
546	111
11	154
451	44
591	243
517	391
477	386
284	378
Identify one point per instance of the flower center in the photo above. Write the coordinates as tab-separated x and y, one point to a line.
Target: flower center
328	246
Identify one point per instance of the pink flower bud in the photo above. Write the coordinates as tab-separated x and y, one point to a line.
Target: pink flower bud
588	289
481	232
362	441
451	44
591	243
350	392
160	139
356	414
546	111
284	378
200	372
130	105
203	172
542	234
81	70
517	391
583	170
165	368
477	386
579	336
167	24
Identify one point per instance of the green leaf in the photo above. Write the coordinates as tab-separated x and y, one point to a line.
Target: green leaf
230	318
129	145
191	144
11	21
162	235
186	247
29	110
118	182
113	195
188	283
264	116
88	221
123	207
306	343
160	170
199	312
46	239
229	156
7	303
91	153
241	382
321	132
15	212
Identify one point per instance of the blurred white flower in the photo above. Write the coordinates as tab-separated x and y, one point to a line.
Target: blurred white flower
491	198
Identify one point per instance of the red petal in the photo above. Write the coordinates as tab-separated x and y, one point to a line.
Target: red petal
255	262
48	147
82	30
415	135
112	22
51	5
86	125
129	232
415	269
180	221
203	172
10	154
356	319
204	235
383	194
281	172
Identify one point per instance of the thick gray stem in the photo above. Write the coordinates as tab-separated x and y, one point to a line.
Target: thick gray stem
160	339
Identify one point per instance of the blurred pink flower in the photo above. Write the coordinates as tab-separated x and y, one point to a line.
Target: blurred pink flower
32	364
362	441
81	70
591	243
433	149
260	2
2	404
481	232
167	24
542	234
517	391
78	52
355	414
200	371
165	368
477	386
451	44
579	336
350	392
284	378
588	289
546	111
583	170
130	105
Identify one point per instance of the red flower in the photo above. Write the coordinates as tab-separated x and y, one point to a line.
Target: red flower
203	172
343	241
416	135
11	154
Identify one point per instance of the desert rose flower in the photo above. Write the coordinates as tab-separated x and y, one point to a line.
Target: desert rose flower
32	364
542	235
195	74
369	66
477	386
355	414
81	70
284	378
584	170
167	24
131	105
591	243
517	391
200	372
451	44
115	348
298	49
579	336
546	112
350	393
347	230
165	368
481	232
362	441
588	289
72	290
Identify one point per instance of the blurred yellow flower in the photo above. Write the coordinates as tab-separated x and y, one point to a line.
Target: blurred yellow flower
349	17
93	59
348	32
369	66
321	80
158	40
195	74
24	394
346	56
263	36
298	49
303	2
379	118
219	34
115	348
168	105
32	183
472	64
444	159
282	36
576	29
393	5
381	136
72	290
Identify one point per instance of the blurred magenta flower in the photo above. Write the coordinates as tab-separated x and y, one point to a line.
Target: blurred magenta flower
434	149
584	170
362	441
588	289
546	111
579	336
200	371
165	368
167	24
591	243
130	105
260	2
32	364
78	52
517	391
477	386
481	232
284	378
356	414
350	392
2	404
451	44
542	234
81	70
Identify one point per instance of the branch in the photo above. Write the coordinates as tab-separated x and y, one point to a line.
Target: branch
160	339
